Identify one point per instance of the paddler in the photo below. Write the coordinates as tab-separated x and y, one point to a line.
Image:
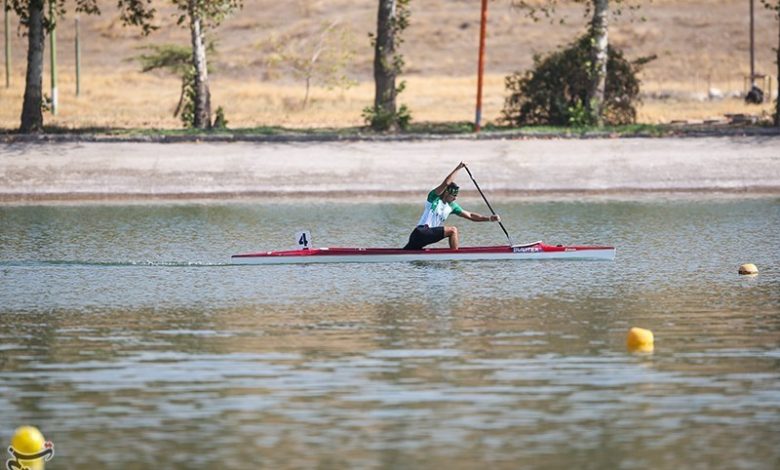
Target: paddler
438	206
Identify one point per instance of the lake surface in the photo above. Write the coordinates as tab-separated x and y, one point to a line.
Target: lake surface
129	340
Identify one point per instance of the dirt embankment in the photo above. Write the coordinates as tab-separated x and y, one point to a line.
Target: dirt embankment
90	171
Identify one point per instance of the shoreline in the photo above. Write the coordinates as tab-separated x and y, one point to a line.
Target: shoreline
509	168
357	134
349	197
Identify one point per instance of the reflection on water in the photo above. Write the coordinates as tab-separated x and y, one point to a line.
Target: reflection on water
126	337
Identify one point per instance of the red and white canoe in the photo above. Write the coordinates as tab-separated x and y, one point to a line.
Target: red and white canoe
531	251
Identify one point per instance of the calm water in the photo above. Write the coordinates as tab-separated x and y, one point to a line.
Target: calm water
128	340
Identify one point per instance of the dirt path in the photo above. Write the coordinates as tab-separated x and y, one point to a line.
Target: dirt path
88	171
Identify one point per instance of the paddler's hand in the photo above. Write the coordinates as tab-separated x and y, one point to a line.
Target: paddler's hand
461	165
495	218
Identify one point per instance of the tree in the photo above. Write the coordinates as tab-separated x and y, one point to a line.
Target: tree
775	6
555	91
176	60
392	19
201	15
33	16
319	58
599	36
599	33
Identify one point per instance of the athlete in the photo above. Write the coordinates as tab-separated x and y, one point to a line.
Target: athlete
439	205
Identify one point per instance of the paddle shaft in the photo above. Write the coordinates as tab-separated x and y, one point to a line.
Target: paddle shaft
488	204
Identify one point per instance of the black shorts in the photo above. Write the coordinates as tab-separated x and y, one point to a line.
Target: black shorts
423	235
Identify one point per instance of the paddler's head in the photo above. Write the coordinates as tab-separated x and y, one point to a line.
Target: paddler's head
450	192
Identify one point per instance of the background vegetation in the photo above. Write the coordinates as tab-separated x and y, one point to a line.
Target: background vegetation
555	91
702	48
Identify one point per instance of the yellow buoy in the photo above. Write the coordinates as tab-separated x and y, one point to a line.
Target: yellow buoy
639	340
29	440
748	268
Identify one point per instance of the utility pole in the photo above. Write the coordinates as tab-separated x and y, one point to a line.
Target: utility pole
7	45
53	50
481	67
752	48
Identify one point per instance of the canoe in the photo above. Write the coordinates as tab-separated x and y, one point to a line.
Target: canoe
531	251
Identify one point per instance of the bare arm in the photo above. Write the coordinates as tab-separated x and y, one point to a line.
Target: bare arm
473	216
440	188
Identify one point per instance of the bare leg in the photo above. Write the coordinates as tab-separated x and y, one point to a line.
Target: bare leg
452	234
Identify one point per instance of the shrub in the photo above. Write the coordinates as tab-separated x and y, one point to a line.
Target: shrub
555	91
381	119
219	120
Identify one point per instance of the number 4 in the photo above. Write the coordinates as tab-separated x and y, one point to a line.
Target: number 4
303	239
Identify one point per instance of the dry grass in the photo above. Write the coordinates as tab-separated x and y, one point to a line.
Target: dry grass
250	104
699	43
660	112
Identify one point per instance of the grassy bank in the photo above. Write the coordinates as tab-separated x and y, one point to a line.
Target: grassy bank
418	131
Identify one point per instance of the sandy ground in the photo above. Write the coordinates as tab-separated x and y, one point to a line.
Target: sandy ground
96	171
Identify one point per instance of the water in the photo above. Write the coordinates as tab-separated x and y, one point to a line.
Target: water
129	340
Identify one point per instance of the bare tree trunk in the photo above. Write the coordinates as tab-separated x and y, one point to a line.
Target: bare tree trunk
202	116
308	85
599	35
181	97
384	68
32	116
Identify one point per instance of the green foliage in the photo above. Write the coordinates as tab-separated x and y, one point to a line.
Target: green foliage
536	9
202	14
171	58
187	102
176	60
219	120
772	5
579	116
46	103
137	13
213	12
22	9
141	13
397	26
381	119
555	91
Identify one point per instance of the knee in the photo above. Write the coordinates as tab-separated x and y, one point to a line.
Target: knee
451	231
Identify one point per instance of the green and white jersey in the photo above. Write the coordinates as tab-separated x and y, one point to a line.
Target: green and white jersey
436	211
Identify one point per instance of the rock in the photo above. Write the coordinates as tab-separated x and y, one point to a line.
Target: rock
715	94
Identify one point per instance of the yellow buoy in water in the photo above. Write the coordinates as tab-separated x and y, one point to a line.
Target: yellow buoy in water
639	340
748	268
29	440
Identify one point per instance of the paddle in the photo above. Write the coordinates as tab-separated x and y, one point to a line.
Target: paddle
488	204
